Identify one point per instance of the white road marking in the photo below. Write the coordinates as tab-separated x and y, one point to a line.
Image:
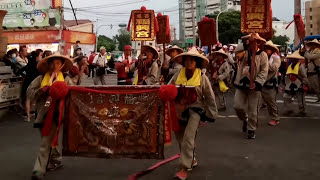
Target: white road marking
284	117
308	104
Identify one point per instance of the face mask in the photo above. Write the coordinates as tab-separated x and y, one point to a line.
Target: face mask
13	55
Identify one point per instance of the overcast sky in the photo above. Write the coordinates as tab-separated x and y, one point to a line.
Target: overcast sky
113	12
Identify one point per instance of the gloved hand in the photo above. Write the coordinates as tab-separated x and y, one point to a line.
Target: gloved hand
305	88
257	86
45	89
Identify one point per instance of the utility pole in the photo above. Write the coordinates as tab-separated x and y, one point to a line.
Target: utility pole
297	10
193	24
61	41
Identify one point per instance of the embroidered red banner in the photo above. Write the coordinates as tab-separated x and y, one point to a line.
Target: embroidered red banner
207	31
256	16
118	122
163	36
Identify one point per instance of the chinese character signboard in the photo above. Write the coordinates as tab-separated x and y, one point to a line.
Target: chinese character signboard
207	31
114	122
143	25
31	13
30	37
256	16
163	35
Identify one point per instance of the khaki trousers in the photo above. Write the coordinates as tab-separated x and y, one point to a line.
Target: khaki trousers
46	153
100	80
219	96
246	105
186	138
269	96
314	83
300	98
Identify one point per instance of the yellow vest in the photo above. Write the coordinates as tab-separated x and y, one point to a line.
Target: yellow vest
295	70
46	79
194	81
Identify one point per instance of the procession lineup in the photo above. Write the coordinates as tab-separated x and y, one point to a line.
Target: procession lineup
163	92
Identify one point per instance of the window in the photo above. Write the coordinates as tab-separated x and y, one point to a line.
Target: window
310	17
311	34
310	9
311	26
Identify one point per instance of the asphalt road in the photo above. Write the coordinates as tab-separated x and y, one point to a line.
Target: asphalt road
288	151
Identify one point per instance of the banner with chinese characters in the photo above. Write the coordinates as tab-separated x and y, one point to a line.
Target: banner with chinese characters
119	122
163	35
256	16
32	37
31	13
143	25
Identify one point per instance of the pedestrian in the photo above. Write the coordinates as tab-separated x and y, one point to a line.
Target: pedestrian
80	68
123	67
200	106
22	60
148	67
90	62
51	69
270	88
46	53
313	66
220	77
78	52
247	97
31	73
170	67
296	84
100	62
10	58
76	48
231	52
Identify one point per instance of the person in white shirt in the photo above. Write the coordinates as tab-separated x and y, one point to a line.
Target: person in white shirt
100	61
22	60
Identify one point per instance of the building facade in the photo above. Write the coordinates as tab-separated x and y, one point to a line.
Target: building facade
280	28
312	16
200	9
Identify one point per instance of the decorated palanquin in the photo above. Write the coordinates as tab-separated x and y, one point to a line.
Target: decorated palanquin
114	122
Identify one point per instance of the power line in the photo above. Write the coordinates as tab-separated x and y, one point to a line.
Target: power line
112	5
75	17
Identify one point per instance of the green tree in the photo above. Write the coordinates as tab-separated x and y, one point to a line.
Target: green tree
108	43
280	40
229	26
124	38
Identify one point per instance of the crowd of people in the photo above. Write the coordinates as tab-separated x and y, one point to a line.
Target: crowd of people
223	69
256	84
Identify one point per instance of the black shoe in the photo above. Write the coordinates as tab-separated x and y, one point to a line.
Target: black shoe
251	135
222	109
37	175
53	165
263	106
244	126
301	114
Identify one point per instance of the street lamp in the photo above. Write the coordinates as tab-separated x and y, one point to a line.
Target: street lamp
217	30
